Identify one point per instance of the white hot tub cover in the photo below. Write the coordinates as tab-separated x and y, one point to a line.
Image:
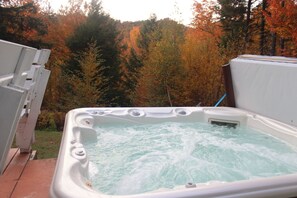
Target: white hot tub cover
266	86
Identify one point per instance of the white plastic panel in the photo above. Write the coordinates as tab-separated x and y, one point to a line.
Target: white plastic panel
15	61
11	101
9	55
42	56
18	77
25	137
266	86
23	66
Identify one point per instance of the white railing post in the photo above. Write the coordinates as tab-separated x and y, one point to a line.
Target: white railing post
22	87
25	135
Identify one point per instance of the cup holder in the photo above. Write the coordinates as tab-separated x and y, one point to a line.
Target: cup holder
136	113
182	112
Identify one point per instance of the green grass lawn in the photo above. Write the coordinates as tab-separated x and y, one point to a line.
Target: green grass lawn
47	144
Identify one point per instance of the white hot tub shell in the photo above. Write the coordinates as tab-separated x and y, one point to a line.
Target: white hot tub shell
71	177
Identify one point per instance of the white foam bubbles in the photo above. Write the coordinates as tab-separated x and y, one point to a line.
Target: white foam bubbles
141	158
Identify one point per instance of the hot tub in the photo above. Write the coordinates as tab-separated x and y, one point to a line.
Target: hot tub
74	174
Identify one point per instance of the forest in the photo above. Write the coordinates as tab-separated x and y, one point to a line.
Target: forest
97	61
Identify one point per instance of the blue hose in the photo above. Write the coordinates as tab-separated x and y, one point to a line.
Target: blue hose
221	99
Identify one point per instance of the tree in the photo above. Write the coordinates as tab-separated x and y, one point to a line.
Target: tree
202	56
281	19
141	37
161	75
202	63
232	17
146	35
21	22
248	21
205	20
131	76
87	89
262	28
66	20
101	28
133	37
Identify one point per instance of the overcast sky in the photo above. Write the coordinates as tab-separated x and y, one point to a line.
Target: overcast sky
134	10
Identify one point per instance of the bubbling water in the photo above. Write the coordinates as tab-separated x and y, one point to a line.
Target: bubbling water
140	158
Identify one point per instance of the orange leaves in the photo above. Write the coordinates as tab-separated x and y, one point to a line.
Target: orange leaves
134	33
201	56
60	27
63	24
161	76
206	18
59	30
21	22
281	17
202	61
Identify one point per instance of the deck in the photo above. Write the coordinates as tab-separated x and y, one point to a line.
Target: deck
25	177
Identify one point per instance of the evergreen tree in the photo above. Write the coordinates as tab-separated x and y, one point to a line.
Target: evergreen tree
102	29
232	16
147	36
131	76
86	89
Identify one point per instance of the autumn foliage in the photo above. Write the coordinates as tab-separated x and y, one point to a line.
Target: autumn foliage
98	61
205	19
281	16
